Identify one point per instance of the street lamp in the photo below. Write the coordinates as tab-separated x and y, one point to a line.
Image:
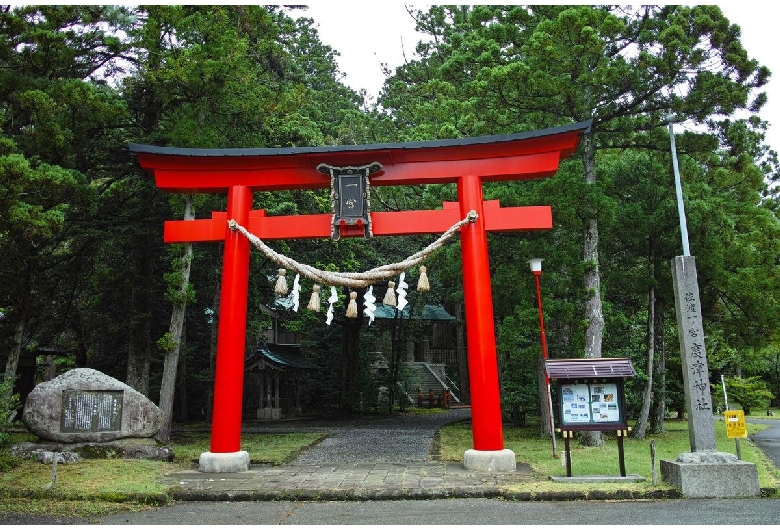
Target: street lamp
536	269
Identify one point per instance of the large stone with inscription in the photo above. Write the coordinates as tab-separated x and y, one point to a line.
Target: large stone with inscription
704	472
693	353
84	405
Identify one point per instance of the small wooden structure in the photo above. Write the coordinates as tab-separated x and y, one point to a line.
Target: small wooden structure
591	398
273	382
430	400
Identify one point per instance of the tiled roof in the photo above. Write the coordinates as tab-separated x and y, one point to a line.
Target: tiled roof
430	312
604	367
281	358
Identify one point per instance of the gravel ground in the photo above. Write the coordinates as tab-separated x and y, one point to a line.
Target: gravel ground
401	438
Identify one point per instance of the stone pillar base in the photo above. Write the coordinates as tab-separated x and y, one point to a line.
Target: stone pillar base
711	475
223	462
502	461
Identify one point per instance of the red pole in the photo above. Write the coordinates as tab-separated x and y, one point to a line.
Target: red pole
487	428
537	277
231	330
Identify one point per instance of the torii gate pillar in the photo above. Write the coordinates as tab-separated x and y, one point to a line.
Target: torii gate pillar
487	426
467	162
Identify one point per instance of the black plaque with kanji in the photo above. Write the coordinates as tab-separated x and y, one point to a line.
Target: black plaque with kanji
350	198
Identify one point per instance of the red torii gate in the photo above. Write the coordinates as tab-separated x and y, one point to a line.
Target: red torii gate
467	162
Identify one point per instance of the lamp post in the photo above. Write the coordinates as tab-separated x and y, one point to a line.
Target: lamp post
536	269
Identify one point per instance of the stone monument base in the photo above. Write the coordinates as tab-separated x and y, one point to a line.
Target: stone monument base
711	475
138	448
502	461
223	462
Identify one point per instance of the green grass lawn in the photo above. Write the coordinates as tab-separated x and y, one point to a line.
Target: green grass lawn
91	488
529	447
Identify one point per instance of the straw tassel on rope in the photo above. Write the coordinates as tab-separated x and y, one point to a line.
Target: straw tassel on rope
281	283
352	307
390	294
314	301
422	282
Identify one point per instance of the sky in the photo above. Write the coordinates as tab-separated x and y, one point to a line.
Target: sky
385	34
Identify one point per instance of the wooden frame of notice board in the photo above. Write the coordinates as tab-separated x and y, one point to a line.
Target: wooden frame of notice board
591	397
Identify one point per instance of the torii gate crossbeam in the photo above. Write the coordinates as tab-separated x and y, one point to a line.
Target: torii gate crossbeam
467	162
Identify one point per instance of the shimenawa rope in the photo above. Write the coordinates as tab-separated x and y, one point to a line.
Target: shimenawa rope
351	279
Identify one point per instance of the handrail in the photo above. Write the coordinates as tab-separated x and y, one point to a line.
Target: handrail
404	392
442	383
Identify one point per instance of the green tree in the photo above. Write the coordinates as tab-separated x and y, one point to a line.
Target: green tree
749	392
58	117
499	68
233	76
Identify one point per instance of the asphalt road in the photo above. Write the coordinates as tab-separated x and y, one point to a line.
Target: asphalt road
461	512
768	439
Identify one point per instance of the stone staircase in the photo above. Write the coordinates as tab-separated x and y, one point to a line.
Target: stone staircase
422	377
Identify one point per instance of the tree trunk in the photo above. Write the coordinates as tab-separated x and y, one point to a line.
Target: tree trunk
592	279
395	364
213	349
351	351
12	363
463	358
139	347
659	368
641	427
171	363
180	402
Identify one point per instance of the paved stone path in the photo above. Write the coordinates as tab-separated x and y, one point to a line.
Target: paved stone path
364	458
355	481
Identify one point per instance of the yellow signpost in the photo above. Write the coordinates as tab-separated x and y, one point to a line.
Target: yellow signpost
735	427
735	424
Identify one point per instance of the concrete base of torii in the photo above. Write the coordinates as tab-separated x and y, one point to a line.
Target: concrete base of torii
711	474
502	461
223	462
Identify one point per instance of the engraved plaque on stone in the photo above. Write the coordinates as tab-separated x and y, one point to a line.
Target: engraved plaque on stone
91	411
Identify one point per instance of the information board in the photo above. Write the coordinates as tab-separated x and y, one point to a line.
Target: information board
591	404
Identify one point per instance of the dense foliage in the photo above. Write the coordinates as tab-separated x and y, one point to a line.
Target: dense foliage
86	278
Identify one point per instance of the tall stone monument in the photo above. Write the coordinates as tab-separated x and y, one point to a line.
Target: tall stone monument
704	471
88	414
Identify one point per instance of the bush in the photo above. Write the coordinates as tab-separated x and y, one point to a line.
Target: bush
750	392
8	408
8	462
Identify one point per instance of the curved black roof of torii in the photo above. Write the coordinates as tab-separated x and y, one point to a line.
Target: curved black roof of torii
582	127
